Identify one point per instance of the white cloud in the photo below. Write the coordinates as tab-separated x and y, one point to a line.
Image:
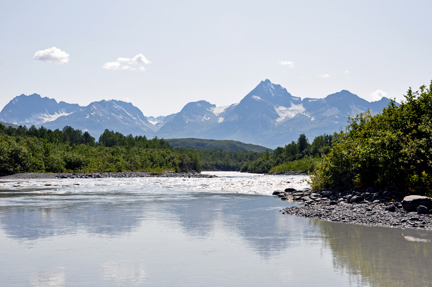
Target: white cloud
134	64
324	76
346	72
378	94
52	55
287	63
111	66
140	60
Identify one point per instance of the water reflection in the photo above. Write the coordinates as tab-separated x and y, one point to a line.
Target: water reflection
34	223
51	277
382	256
126	273
254	218
133	238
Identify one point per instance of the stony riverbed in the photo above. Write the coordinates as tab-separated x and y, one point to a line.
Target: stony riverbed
377	208
124	174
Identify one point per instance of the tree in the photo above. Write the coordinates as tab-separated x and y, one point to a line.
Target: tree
302	143
391	149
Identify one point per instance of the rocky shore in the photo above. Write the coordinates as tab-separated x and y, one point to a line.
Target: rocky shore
372	207
105	175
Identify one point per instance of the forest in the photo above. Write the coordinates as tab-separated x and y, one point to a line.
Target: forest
221	159
71	150
298	156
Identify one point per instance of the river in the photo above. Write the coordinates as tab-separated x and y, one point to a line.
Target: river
224	231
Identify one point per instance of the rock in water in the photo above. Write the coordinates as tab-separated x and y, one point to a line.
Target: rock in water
411	202
277	192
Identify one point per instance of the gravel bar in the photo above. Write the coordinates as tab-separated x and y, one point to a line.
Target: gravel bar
373	207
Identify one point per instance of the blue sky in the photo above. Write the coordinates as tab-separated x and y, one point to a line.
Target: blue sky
175	52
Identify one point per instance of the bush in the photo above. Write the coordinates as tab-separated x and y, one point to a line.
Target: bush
391	149
307	164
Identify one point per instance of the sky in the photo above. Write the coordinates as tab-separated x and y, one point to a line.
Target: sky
160	55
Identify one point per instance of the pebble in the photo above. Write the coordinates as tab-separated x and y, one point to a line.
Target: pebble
376	208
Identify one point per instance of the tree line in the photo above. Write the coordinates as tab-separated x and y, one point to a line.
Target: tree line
71	150
300	152
221	159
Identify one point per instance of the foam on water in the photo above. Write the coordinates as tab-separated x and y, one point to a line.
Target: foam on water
234	182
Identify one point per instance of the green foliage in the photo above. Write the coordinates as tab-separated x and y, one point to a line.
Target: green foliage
67	135
41	150
307	164
295	156
260	165
111	138
219	159
391	149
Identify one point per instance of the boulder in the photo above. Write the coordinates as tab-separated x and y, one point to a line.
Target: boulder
421	209
277	192
326	193
391	208
355	198
411	202
289	189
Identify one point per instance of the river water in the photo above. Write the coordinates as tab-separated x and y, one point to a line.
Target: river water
224	231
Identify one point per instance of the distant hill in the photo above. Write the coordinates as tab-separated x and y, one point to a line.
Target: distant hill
216	144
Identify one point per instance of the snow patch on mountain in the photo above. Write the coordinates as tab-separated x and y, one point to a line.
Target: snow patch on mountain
153	122
218	110
331	112
290	112
355	111
256	98
41	118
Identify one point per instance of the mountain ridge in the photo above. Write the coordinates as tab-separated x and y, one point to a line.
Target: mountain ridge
268	115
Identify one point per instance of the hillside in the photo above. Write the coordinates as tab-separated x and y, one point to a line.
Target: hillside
195	143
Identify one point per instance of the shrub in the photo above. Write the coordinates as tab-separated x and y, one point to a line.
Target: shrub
391	149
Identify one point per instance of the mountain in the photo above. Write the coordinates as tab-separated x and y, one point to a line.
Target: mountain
94	118
194	120
35	110
161	120
113	115
268	116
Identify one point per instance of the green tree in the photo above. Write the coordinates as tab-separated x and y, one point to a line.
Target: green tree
391	149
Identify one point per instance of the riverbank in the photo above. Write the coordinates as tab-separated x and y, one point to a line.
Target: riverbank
124	174
375	208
